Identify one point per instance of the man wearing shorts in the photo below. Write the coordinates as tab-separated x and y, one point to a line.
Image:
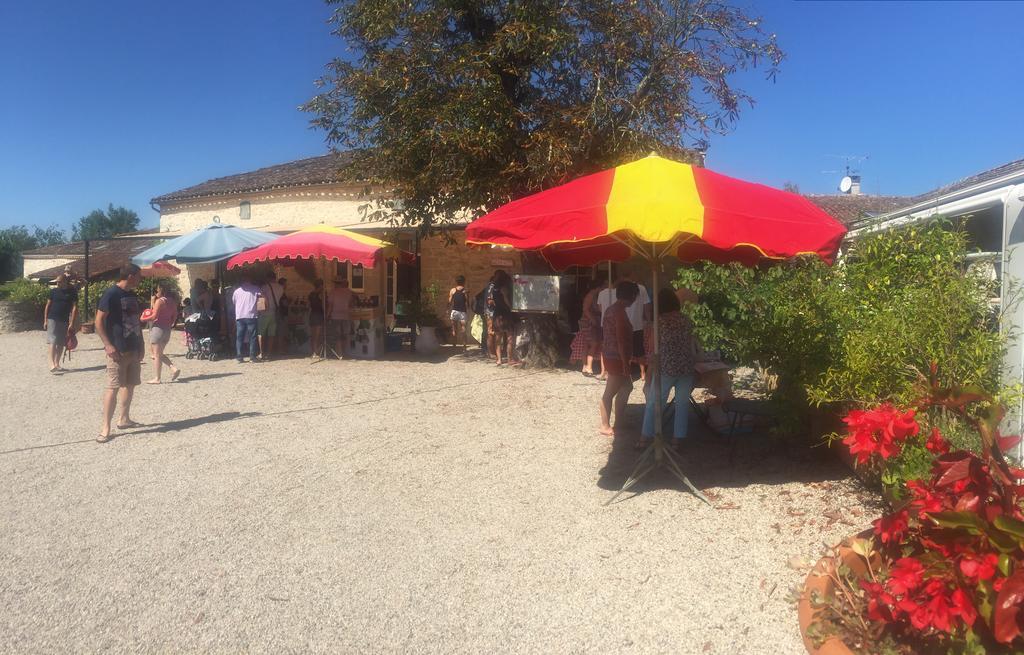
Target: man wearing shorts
59	318
119	327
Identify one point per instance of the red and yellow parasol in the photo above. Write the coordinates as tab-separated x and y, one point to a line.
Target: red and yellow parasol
656	207
323	242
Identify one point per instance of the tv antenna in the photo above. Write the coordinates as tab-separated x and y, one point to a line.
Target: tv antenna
850	183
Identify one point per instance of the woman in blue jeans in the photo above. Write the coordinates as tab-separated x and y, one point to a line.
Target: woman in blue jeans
677	354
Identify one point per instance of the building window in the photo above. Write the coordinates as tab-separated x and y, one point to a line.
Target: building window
356	279
340	271
245	210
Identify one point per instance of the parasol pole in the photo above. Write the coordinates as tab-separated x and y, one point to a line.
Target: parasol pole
658	453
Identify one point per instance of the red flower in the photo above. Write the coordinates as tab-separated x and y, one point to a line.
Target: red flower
936	443
905	576
880	431
963	607
891	528
977	568
925	501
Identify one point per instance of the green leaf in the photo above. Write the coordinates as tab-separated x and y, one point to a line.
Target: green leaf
960	520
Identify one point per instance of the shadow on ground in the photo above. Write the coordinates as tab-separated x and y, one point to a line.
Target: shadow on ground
757	458
153	428
87	369
204	376
185	424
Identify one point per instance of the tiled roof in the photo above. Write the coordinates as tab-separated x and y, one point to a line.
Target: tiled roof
104	256
979	178
304	172
848	209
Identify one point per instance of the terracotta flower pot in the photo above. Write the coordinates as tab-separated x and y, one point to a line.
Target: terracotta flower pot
88	328
819	581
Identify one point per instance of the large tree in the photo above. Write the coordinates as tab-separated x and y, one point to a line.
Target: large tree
17	238
101	224
459	105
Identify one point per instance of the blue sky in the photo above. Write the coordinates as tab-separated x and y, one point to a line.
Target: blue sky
122	101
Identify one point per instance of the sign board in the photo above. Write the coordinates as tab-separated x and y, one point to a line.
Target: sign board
535	293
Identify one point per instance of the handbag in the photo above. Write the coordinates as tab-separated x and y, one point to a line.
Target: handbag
261	303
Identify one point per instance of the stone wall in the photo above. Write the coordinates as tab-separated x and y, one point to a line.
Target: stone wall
19	317
32	265
286	208
440	262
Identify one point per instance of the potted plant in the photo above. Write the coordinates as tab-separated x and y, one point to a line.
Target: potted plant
427	321
943	572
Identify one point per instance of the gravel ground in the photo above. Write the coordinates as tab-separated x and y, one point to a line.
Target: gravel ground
389	506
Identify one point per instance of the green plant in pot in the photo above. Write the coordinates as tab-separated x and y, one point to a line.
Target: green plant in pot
424	311
943	573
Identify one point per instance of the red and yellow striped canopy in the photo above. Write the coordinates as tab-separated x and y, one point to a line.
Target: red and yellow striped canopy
323	241
656	207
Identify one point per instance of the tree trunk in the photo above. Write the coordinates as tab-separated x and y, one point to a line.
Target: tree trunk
542	347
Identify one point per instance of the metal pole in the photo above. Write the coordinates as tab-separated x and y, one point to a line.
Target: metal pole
86	279
656	378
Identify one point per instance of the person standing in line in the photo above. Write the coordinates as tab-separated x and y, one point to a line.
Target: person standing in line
267	321
458	306
339	309
165	317
590	323
618	350
59	318
200	298
283	303
677	357
316	318
120	329
244	300
501	319
639	313
486	316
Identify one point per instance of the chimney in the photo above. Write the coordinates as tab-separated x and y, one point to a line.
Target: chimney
855	185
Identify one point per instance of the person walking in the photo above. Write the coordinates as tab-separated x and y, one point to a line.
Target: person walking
165	317
618	350
339	309
480	309
244	299
120	329
59	318
267	321
458	309
677	357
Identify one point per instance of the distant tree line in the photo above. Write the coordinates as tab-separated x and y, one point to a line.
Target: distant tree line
98	224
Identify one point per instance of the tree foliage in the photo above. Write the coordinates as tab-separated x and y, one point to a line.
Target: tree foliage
863	331
101	224
16	239
462	105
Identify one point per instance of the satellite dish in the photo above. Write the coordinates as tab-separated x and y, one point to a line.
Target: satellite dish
845	184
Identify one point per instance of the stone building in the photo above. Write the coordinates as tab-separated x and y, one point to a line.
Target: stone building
288	197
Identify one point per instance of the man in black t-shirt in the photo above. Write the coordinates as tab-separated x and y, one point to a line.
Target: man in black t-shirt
59	318
119	327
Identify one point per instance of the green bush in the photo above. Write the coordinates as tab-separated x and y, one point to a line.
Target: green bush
25	291
144	291
861	332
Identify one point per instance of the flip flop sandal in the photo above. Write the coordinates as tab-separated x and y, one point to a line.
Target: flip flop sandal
129	425
174	376
102	438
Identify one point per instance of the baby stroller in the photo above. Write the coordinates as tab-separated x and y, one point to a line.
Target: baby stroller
201	337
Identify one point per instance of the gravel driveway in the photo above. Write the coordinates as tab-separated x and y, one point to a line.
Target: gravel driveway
390	506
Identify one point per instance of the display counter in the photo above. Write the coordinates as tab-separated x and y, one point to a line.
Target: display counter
366	338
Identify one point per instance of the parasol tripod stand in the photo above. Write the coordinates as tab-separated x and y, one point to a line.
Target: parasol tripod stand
324	349
657	454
